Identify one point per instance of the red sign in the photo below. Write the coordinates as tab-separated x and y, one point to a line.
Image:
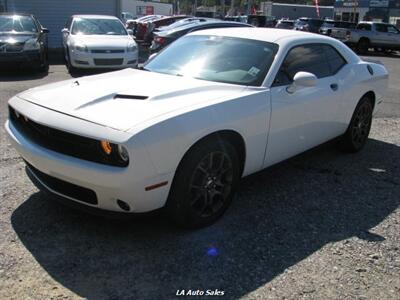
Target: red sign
149	10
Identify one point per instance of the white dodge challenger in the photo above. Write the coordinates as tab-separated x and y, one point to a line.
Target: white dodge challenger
213	107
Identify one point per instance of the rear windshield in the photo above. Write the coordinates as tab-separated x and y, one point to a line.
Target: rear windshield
17	24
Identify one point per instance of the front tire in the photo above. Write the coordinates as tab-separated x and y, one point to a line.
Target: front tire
71	69
204	184
357	133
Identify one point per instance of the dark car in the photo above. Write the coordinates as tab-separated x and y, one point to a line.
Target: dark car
23	41
285	24
326	27
132	24
166	37
308	24
144	30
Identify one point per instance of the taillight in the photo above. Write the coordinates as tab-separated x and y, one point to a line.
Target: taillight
159	40
348	33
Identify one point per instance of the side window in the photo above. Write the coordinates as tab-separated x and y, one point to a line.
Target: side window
392	29
366	27
334	59
381	27
306	58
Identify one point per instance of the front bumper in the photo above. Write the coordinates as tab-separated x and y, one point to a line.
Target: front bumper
15	58
88	60
107	183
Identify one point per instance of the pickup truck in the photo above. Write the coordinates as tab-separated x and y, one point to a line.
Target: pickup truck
380	36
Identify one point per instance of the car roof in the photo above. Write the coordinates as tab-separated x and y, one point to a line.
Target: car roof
271	35
94	17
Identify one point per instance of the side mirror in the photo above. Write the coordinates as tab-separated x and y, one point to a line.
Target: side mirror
45	30
65	31
302	79
130	31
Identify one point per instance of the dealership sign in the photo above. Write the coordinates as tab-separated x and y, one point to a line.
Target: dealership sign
378	3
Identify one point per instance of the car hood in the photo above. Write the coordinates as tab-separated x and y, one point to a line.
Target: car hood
124	99
16	38
107	41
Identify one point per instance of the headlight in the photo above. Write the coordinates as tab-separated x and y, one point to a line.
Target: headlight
81	48
123	153
115	153
131	47
32	44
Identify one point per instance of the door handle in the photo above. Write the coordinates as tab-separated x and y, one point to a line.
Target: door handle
334	86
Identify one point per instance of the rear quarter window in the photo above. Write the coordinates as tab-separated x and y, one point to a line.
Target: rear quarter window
334	58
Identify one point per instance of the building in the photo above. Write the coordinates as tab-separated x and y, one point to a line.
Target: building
368	10
53	14
295	11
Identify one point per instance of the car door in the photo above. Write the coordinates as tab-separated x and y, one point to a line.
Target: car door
308	116
394	36
380	35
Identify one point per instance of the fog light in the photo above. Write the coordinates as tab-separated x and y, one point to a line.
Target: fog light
123	205
106	147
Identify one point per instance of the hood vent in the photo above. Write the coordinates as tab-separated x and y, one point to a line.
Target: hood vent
133	97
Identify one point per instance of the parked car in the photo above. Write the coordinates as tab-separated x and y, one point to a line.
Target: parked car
327	26
132	24
144	30
214	106
23	40
380	36
261	21
308	24
127	16
95	41
164	38
285	24
241	19
182	22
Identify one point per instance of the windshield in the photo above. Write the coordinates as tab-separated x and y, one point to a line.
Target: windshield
214	58
98	26
17	24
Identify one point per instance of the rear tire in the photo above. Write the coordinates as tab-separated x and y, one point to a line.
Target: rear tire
204	184
362	46
357	133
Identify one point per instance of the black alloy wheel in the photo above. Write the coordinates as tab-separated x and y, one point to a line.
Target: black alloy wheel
359	128
204	184
211	183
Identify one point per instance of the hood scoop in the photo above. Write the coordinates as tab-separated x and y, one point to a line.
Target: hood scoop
132	97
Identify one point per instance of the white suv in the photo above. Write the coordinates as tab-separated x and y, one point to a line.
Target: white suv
95	41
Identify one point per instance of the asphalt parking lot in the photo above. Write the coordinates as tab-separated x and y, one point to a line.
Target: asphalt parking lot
323	225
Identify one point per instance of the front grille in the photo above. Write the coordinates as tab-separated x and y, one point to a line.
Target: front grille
108	51
108	62
65	188
63	142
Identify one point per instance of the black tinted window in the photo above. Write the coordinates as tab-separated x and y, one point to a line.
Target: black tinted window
364	27
381	27
335	60
307	58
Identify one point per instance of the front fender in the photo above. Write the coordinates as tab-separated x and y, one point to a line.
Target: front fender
168	140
